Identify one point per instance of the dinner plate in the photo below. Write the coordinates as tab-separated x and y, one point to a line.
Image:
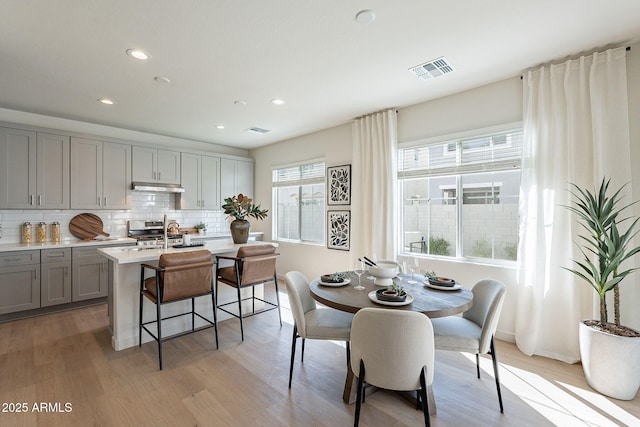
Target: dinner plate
334	284
443	288
372	297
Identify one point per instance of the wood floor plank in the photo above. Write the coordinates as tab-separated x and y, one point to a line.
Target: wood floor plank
67	358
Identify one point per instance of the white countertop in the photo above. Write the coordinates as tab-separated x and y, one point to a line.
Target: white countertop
8	247
138	254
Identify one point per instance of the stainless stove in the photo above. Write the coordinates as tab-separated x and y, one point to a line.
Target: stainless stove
150	233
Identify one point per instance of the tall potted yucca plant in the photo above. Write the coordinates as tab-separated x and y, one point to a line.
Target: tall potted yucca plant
609	351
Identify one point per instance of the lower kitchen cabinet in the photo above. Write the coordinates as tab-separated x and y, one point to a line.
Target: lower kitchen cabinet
90	274
19	281
55	281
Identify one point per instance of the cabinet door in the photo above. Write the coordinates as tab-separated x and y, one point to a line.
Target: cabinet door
55	284
227	178
144	164
17	169
168	167
210	198
86	173
19	288
244	178
116	172
52	172
190	180
89	279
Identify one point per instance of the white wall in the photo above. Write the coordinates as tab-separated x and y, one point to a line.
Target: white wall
490	105
486	106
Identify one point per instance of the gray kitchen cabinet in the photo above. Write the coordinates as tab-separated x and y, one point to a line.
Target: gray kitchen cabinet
19	281
55	277
101	174
89	274
155	165
200	178
35	168
236	176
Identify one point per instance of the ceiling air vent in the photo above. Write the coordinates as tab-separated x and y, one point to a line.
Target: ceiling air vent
432	69
256	129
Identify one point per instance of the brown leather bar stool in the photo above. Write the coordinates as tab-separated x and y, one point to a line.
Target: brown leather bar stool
252	265
178	277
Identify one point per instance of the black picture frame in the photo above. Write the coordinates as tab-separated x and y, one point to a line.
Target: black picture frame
339	230
339	185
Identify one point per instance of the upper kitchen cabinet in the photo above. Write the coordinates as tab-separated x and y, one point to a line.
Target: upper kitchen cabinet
236	176
100	174
154	165
200	178
35	170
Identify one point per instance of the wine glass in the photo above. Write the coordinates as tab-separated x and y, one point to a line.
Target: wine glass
412	265
358	268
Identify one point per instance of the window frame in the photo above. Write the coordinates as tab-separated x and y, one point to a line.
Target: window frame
299	183
458	172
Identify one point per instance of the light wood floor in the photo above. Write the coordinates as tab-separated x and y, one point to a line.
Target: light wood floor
67	358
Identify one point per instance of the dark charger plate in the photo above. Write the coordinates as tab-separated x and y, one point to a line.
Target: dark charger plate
442	281
391	298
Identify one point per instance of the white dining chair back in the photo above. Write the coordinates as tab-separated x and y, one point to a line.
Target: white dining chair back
488	298
309	320
394	350
474	331
299	299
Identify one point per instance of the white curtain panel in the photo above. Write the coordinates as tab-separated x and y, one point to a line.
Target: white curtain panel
576	130
375	172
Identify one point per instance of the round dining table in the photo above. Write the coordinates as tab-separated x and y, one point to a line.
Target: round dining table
432	302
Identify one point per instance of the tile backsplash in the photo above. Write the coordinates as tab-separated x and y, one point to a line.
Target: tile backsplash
144	205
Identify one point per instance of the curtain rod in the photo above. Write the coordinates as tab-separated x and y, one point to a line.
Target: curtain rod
628	49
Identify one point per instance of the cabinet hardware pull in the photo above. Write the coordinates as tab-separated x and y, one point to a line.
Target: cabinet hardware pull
159	175
98	200
31	200
66	271
58	255
39	199
154	175
105	201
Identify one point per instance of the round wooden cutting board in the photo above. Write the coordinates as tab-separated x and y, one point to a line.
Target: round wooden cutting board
86	226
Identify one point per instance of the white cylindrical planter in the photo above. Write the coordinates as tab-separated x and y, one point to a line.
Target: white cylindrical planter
611	363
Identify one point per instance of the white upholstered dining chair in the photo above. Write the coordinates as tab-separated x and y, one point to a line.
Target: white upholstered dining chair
473	332
394	350
311	322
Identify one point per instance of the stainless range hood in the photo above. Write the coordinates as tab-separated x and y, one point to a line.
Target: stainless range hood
154	186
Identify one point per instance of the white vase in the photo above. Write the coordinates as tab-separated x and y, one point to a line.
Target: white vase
611	363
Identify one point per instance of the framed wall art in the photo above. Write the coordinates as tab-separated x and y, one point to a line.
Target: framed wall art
338	230
339	185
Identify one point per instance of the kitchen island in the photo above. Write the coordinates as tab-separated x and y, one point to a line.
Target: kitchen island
124	291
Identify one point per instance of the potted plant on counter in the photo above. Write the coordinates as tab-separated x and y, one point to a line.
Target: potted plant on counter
241	207
609	351
201	227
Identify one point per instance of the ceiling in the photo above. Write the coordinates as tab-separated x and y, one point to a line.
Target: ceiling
59	56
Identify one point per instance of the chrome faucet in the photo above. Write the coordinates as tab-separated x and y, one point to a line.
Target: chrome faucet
164	226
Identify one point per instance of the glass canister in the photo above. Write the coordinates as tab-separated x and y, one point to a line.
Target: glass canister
55	232
27	237
41	232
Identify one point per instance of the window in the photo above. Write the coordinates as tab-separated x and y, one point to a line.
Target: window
299	203
460	196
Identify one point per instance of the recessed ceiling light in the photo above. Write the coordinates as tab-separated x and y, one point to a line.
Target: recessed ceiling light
278	101
160	79
240	103
106	101
365	16
138	54
219	126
